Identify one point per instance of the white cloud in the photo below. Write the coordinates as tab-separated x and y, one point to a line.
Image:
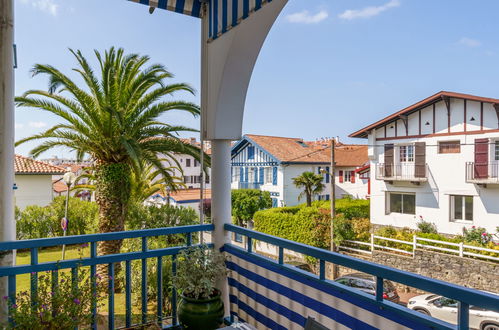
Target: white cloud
368	12
46	6
468	42
37	124
19	126
307	18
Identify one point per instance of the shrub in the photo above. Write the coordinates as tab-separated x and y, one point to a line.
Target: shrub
44	221
427	227
477	234
350	208
362	229
245	202
198	270
66	307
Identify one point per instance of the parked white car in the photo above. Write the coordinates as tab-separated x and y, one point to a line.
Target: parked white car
445	309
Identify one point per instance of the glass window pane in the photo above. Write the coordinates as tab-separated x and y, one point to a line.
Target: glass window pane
410	153
458	207
468	207
409	204
396	203
497	150
403	153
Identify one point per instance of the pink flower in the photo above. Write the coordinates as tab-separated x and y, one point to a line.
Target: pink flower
14	306
5	297
77	301
473	227
484	234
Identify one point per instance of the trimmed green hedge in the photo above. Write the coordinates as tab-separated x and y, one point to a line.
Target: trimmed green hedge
311	225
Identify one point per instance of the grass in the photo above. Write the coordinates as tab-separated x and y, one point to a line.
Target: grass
77	252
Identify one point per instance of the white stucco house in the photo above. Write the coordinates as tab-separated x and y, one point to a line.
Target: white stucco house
270	163
438	160
33	181
190	168
189	198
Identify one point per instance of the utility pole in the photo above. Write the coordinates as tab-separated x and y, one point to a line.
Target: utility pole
333	205
7	223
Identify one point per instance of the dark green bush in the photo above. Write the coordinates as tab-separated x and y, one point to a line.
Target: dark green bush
427	227
39	222
245	202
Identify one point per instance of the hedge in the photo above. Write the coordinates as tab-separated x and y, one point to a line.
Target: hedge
311	225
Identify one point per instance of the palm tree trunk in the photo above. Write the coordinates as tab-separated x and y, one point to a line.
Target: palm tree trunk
112	194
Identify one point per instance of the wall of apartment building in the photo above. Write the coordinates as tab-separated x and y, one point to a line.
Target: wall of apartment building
446	171
33	190
191	171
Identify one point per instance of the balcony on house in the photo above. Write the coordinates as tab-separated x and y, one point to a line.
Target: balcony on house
482	173
408	172
266	293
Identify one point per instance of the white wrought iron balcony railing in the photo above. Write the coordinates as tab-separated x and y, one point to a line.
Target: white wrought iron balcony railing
486	173
410	172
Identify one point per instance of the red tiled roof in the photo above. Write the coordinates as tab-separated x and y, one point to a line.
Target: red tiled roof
59	186
24	165
362	133
295	150
189	194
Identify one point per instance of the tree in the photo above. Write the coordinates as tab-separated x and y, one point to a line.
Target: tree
114	119
311	184
246	202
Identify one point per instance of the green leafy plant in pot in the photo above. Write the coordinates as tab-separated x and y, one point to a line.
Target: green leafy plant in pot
201	305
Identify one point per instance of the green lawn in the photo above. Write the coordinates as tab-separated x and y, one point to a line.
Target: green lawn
72	252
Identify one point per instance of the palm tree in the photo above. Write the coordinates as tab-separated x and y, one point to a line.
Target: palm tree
114	119
311	184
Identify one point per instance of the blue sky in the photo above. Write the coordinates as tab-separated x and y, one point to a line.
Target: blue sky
327	68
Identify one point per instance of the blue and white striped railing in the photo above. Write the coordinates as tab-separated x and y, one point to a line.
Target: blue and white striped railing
270	294
35	267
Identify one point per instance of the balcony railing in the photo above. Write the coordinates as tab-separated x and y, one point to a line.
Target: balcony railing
263	292
249	185
487	173
35	245
402	172
271	294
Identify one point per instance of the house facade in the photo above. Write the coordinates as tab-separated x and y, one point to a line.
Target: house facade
190	168
270	163
33	181
436	160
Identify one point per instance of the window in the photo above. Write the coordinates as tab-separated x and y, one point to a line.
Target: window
496	150
461	208
268	175
401	203
347	176
196	163
406	153
251	152
449	147
187	162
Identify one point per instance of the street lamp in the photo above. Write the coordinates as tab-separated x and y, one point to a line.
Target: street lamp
333	203
69	179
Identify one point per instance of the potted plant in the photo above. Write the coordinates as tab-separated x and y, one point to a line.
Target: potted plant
198	269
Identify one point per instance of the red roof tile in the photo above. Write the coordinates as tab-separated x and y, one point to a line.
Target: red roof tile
295	150
362	133
189	194
24	165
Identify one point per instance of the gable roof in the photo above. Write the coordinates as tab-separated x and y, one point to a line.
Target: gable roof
362	133
25	165
297	151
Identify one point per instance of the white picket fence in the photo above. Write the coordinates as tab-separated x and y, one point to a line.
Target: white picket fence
459	249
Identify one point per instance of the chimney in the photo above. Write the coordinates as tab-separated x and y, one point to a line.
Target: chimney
193	141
